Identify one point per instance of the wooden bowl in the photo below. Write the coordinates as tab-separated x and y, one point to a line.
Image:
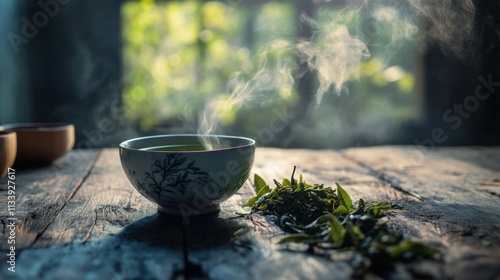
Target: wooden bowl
8	148
41	143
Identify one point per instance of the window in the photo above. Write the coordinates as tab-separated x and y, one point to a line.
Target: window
180	55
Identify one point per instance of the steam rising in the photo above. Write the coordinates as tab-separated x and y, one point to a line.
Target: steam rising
335	52
448	22
334	55
275	77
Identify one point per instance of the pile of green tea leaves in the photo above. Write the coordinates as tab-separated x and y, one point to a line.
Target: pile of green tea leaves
325	218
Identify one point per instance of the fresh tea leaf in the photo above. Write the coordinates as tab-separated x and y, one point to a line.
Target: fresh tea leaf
259	183
250	202
286	182
337	231
378	209
300	238
410	250
340	210
321	216
263	191
293	182
261	188
344	198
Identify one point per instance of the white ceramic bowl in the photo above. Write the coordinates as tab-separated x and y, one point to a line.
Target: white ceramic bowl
173	172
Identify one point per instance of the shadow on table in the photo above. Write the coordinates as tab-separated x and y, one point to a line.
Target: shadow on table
202	232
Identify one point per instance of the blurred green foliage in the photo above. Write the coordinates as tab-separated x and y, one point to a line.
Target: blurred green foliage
179	55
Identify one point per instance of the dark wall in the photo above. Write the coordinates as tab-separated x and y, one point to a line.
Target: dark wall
15	104
70	53
462	96
68	68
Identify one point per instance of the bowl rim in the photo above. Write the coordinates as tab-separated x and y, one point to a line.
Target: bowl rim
251	143
44	126
7	133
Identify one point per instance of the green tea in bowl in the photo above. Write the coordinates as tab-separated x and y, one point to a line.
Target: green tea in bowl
183	176
185	148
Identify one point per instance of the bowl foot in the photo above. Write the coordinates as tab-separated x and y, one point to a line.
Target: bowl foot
175	210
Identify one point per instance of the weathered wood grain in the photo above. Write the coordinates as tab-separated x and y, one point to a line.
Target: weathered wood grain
454	210
108	222
104	204
108	228
107	211
42	193
134	221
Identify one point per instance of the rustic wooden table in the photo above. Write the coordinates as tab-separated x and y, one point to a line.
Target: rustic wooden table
81	219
